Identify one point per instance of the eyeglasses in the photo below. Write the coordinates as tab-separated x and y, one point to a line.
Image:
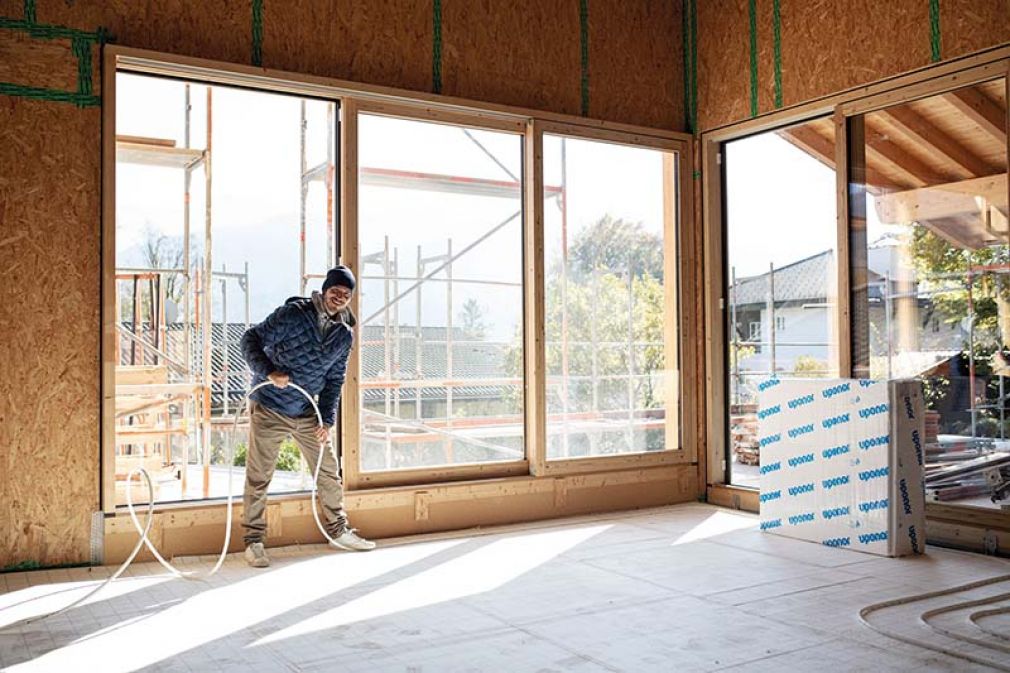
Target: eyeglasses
342	293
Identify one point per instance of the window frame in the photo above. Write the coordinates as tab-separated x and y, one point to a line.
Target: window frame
927	81
680	220
354	99
354	477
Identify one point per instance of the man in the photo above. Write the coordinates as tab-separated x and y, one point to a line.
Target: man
305	341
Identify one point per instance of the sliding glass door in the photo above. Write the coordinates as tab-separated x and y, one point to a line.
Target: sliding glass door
930	274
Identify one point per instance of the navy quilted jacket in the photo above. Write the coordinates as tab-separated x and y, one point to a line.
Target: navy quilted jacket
289	341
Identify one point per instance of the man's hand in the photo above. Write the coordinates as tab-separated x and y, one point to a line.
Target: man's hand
323	433
279	379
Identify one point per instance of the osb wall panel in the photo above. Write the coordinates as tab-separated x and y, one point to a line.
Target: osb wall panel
30	62
49	310
215	30
830	46
972	25
827	47
385	42
723	62
524	53
632	78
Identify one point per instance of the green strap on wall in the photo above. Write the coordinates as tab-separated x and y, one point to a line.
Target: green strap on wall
934	30
777	43
753	58
257	32
81	42
584	40
51	95
436	46
689	30
82	50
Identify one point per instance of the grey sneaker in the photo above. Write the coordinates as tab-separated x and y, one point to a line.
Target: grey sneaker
256	555
349	540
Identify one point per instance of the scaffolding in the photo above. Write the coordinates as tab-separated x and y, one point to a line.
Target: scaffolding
164	368
398	386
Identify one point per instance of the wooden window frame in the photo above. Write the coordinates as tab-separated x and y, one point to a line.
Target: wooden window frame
927	81
355	98
677	165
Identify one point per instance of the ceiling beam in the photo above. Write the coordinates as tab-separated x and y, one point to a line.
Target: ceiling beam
953	199
937	143
811	142
982	110
823	149
881	148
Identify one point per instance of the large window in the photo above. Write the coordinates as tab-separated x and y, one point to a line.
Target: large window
441	266
931	275
780	272
224	209
610	298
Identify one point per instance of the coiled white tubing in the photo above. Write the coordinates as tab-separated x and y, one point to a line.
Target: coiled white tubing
145	529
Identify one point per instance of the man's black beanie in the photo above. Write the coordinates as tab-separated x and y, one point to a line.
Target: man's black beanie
339	275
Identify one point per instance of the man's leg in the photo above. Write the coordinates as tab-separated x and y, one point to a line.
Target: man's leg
328	486
267	429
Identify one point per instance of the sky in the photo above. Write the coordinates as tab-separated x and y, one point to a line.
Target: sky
255	198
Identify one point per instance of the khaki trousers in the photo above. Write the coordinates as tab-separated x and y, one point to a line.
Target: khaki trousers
267	430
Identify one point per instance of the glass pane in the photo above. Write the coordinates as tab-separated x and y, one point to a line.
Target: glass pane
931	274
609	219
174	416
441	324
780	216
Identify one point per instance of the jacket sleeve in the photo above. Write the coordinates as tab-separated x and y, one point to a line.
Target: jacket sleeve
330	394
259	337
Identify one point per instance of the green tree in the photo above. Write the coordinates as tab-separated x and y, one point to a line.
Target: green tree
610	304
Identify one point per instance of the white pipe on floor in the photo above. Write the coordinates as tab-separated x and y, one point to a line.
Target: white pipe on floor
924	617
146	528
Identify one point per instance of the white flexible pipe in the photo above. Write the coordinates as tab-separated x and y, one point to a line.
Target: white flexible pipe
976	617
146	528
869	609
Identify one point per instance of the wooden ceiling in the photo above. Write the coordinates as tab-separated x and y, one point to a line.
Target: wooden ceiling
940	161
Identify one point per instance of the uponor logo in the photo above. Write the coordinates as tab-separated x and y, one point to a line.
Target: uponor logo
873	474
873	411
840	419
908	408
800	401
770	439
802	488
866	383
836	511
774	523
800	460
917	443
835	451
835	481
770	411
835	390
801	518
871	442
765	385
871	505
867	538
771	467
771	495
801	430
906	502
914	539
837	542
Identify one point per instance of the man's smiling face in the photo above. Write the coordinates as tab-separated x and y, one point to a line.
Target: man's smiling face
336	298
